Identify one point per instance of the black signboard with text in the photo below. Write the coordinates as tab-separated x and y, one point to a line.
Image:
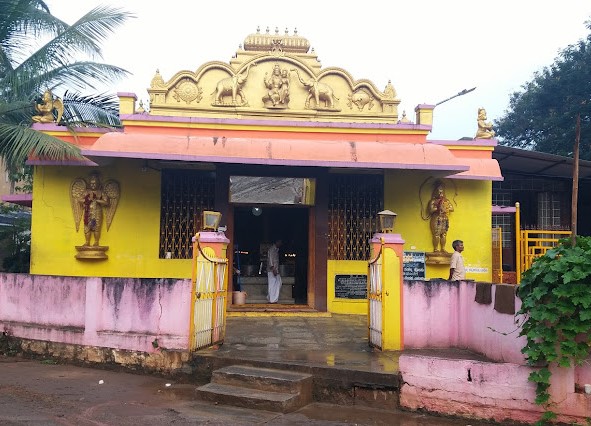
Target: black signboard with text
413	265
350	286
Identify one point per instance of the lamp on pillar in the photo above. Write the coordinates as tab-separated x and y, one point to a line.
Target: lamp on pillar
387	220
211	220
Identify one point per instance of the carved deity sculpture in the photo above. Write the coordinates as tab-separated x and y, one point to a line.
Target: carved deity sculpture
438	211
278	85
89	200
46	109
485	129
389	91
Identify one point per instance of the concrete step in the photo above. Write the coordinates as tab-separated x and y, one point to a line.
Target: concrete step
263	300
257	293
249	398
260	388
264	379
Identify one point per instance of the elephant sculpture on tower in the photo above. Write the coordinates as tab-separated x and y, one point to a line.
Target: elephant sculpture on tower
317	91
232	86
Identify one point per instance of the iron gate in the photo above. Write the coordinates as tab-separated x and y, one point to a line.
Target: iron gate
208	298
376	305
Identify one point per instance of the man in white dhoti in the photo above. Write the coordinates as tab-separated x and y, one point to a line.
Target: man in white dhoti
274	279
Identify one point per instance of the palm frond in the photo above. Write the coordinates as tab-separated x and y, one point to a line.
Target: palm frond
16	112
79	76
23	21
83	37
27	70
84	111
18	142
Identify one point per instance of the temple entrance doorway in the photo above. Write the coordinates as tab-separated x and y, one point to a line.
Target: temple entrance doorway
255	229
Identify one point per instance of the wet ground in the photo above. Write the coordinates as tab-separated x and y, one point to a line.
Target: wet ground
43	393
337	341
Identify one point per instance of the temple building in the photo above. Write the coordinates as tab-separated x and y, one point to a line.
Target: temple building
284	149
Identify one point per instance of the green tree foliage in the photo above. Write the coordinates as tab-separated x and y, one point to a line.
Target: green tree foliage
40	52
15	238
542	116
556	305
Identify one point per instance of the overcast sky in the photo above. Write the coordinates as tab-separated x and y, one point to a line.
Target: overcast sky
429	49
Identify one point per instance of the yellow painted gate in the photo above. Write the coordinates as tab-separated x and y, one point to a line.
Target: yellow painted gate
376	305
208	298
497	255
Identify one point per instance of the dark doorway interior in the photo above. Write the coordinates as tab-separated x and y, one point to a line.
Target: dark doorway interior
255	229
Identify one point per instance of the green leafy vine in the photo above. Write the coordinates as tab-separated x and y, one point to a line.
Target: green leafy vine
556	304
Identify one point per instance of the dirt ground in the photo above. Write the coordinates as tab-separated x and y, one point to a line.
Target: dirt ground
34	392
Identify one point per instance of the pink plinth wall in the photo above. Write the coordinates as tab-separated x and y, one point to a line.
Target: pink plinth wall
443	314
122	313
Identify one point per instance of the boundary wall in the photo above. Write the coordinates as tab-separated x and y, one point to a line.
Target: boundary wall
145	323
478	317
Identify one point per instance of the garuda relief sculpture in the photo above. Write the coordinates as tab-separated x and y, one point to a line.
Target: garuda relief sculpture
50	110
232	86
320	92
91	201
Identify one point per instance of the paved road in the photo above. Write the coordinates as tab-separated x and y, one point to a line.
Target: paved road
42	393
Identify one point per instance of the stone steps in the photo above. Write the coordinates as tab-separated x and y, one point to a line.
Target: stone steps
256	290
258	388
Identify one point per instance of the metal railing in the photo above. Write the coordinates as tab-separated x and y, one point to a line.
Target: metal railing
497	255
534	243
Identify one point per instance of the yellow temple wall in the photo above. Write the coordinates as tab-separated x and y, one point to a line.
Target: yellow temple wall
470	221
344	267
133	251
133	246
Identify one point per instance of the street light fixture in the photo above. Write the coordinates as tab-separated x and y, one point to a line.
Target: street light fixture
462	93
211	220
387	220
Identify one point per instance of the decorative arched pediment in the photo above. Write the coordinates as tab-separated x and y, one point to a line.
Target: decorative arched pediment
276	77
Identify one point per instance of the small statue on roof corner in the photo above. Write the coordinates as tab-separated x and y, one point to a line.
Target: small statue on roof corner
485	129
50	110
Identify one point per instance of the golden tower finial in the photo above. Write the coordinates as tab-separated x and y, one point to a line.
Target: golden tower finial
276	42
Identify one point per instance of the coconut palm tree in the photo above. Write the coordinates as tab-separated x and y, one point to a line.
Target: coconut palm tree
39	52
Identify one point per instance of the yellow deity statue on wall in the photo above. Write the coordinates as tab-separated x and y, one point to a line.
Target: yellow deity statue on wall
438	211
91	201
